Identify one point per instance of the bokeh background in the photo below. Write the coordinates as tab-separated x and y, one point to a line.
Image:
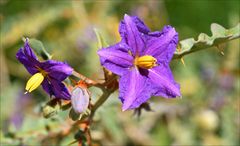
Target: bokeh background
207	113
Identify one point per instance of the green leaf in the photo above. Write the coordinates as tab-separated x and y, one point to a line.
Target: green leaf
217	30
101	42
39	48
81	137
219	35
51	108
73	115
66	106
78	116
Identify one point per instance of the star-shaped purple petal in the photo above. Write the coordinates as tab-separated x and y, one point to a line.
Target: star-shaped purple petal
137	85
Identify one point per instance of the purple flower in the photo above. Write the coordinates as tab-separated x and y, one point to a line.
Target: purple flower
141	59
49	74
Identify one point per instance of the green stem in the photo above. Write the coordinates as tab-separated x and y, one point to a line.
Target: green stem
195	48
89	81
101	100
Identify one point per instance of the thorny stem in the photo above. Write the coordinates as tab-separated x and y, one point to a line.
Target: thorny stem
180	54
89	81
106	93
102	86
98	103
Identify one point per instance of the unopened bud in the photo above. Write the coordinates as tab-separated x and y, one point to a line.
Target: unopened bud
80	99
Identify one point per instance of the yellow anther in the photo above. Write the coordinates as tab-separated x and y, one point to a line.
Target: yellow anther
34	82
145	62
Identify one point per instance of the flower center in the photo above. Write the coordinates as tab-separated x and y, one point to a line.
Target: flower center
35	81
146	61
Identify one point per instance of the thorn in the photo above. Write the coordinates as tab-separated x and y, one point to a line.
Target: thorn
73	81
23	39
222	53
179	50
220	49
182	60
51	56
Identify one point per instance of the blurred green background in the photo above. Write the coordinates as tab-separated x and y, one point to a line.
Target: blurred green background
207	114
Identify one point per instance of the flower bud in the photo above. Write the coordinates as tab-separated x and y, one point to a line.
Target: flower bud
80	99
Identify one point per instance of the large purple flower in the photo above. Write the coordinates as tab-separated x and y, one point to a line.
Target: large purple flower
141	59
49	73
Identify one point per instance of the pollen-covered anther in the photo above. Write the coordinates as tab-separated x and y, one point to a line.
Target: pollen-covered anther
146	61
34	82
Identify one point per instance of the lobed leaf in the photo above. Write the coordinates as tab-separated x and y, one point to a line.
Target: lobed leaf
39	48
101	41
51	108
219	35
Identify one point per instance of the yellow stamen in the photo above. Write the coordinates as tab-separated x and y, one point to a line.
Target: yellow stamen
145	62
34	82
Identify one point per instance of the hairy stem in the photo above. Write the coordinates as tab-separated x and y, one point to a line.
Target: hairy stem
179	54
87	80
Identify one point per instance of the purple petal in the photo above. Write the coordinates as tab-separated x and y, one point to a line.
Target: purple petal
57	70
60	90
139	23
131	34
28	51
163	44
134	89
161	76
116	58
29	64
56	88
47	87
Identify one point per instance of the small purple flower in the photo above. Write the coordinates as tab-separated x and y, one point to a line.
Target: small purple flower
49	73
141	59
